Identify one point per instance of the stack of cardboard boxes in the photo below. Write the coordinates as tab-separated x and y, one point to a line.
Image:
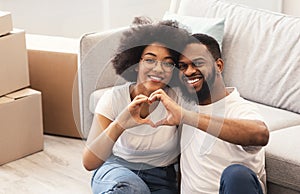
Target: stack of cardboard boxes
21	124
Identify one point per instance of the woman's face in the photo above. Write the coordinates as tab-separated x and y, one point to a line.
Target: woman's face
155	68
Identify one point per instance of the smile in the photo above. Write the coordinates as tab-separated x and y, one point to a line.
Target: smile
193	79
155	78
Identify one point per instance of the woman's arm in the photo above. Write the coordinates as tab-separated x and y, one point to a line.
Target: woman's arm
104	132
100	141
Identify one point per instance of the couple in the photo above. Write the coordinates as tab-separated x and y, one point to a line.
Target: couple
140	128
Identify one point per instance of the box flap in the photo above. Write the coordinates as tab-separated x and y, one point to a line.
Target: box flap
5	23
16	30
4	13
22	93
52	43
4	100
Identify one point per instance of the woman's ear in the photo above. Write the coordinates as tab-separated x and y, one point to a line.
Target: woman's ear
220	65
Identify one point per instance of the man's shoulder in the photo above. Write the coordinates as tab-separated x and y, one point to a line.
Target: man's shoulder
240	106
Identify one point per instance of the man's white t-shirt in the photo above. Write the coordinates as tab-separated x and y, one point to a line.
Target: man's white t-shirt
142	144
204	157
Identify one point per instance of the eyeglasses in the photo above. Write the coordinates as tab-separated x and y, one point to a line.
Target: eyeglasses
151	63
183	66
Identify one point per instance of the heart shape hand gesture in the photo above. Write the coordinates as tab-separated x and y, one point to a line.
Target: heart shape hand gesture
174	111
131	116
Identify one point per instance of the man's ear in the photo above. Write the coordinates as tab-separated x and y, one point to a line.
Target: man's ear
220	65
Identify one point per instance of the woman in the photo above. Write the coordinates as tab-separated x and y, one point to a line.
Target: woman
130	154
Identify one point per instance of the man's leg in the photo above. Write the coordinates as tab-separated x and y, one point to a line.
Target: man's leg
113	178
237	179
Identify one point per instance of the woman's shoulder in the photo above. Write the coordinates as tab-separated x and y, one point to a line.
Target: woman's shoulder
123	88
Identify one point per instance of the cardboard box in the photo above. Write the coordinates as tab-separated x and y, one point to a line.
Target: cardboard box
14	73
53	71
21	127
5	23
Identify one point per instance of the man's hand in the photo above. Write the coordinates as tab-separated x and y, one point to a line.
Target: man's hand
174	111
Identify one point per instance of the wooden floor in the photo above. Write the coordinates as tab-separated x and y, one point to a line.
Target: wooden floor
56	170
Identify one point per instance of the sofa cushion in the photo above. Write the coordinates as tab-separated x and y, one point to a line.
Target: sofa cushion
277	118
95	97
283	158
211	26
261	50
95	70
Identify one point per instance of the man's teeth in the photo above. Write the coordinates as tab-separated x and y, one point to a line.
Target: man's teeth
191	81
155	78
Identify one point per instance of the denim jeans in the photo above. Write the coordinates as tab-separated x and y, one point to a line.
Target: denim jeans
115	177
237	179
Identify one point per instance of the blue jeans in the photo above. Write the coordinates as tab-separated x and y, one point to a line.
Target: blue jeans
237	179
116	178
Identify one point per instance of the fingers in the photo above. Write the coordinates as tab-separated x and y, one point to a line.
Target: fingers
161	122
159	91
138	100
149	122
140	96
157	95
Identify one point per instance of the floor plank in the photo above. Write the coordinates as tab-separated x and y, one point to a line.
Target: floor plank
55	170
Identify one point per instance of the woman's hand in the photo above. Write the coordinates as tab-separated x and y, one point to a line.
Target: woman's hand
131	115
174	111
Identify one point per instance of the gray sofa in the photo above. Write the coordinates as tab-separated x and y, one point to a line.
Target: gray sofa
261	50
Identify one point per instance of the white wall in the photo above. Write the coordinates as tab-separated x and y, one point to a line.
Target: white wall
72	18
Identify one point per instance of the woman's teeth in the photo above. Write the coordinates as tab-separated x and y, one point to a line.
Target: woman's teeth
155	78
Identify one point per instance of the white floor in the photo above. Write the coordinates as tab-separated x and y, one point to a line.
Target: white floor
56	170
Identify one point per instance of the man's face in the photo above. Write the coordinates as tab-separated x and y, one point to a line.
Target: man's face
197	71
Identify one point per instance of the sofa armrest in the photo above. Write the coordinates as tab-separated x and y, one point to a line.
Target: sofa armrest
95	70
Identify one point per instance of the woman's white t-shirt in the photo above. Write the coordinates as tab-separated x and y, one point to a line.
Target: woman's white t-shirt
142	144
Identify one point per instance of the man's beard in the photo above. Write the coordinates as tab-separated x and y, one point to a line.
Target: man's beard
202	94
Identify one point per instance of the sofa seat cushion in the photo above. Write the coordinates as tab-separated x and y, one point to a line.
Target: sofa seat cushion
95	97
282	160
277	118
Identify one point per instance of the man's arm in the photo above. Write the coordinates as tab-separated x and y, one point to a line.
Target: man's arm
237	131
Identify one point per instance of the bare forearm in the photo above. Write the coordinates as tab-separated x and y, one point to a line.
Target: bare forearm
236	131
99	148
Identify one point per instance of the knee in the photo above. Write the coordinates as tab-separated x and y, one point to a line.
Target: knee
118	180
237	178
237	174
118	187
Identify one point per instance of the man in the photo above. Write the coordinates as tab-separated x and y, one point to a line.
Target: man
222	135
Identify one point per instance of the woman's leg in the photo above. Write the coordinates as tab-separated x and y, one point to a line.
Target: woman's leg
237	179
160	180
113	178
